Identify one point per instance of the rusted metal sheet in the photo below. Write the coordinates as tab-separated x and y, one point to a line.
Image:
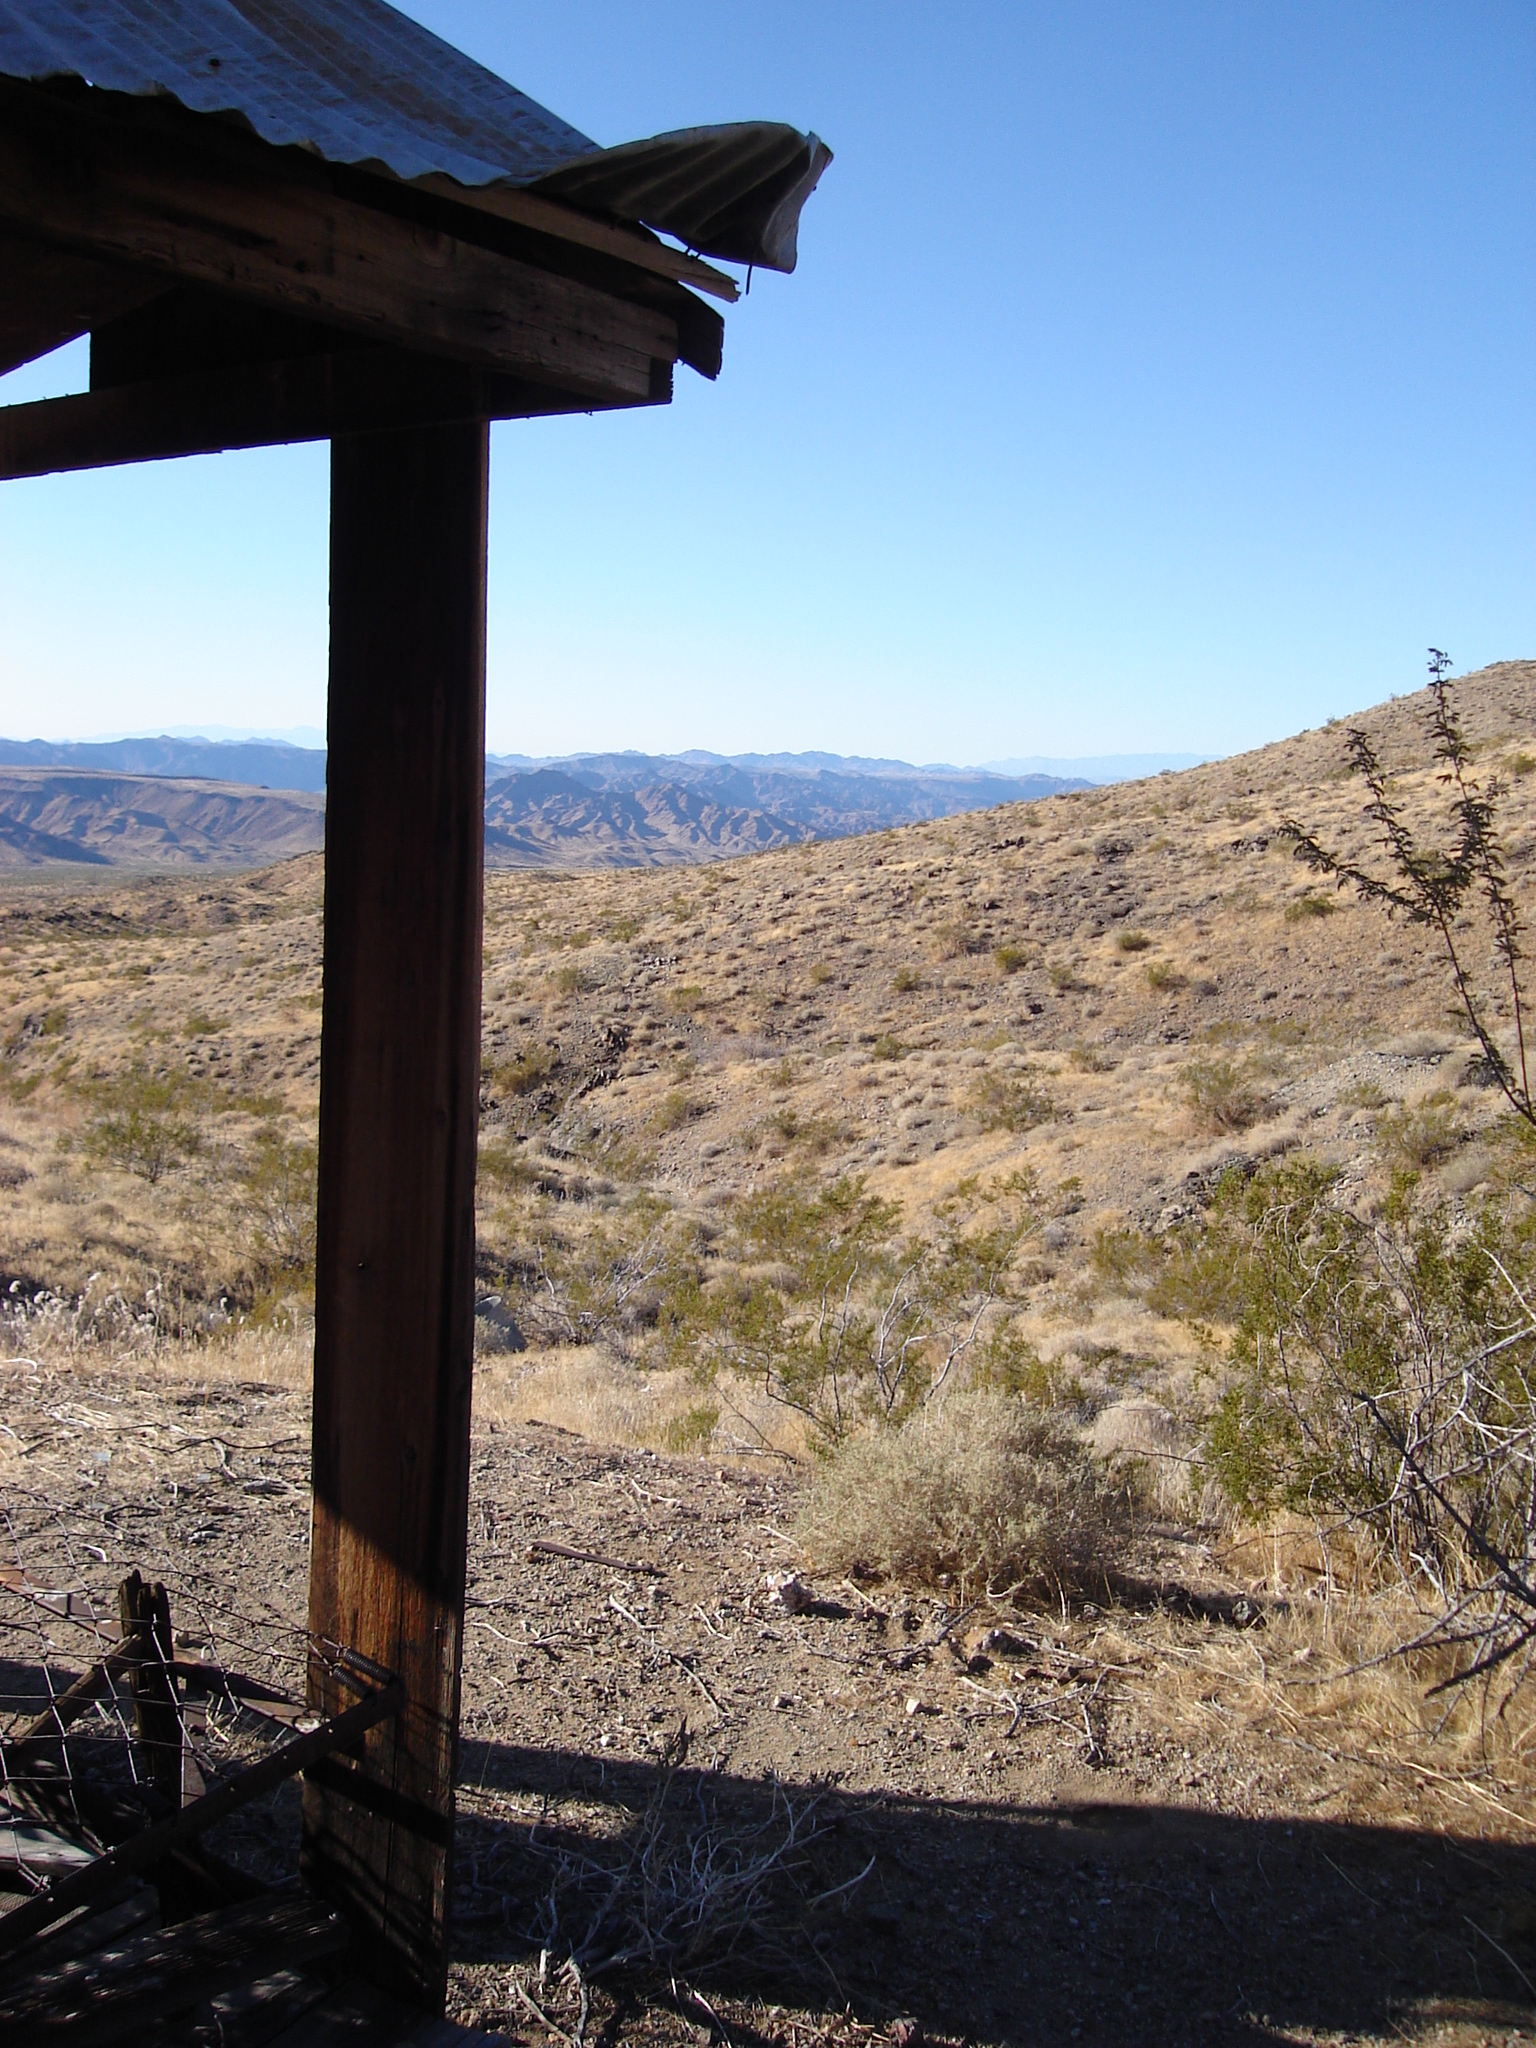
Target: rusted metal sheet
358	83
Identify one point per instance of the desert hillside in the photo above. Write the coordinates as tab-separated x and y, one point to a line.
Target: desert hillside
1118	990
1160	1762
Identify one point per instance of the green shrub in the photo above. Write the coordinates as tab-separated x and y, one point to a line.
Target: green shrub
691	1431
1381	1377
1131	942
144	1121
1162	974
1413	1138
1223	1095
906	979
1310	905
1010	959
529	1068
859	1319
674	1110
1002	1104
503	1166
278	1195
1089	1059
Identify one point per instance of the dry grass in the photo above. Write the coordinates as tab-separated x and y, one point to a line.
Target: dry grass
53	1337
587	1390
981	1491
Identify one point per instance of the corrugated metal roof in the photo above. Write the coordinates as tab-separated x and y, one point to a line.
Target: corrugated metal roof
734	192
359	83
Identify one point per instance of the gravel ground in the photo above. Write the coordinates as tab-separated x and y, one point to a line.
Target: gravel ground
794	1826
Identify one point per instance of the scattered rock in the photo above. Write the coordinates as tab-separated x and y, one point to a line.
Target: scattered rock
496	1327
1000	1642
787	1593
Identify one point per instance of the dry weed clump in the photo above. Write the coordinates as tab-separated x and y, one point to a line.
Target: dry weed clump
982	1489
1223	1095
104	1332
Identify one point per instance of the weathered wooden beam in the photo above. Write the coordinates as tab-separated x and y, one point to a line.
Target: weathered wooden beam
399	1093
186	205
49	296
43	1735
147	1609
253	405
564	223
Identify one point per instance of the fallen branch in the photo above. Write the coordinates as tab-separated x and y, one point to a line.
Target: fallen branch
542	1546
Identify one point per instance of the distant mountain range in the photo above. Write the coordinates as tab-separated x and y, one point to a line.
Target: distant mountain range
261	764
169	800
92	817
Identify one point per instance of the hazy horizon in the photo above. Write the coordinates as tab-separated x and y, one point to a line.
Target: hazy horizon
1090	767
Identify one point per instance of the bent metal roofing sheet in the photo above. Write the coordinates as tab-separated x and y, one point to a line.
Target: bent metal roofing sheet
359	83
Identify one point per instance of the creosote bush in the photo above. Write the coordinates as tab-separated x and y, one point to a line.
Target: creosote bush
1383	1377
1222	1095
848	1317
277	1185
1309	905
981	1490
529	1067
143	1121
1004	1105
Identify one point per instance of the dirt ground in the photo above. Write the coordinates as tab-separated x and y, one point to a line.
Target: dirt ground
1134	1821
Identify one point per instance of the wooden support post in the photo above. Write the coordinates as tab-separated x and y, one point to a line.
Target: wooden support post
146	1610
399	1097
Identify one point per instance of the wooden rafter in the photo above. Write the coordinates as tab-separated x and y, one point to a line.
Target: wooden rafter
271	229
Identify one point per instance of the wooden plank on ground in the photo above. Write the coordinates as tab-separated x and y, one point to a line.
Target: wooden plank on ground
399	1094
117	1992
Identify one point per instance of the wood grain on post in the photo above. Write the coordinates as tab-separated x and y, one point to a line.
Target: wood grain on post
399	1089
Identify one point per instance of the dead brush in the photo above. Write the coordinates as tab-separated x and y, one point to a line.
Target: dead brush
982	1488
687	1886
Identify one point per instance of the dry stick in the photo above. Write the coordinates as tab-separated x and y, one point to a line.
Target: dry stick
542	2016
546	1548
671	1655
1504	1952
153	1843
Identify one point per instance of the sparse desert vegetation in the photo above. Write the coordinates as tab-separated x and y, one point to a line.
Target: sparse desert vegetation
1068	1213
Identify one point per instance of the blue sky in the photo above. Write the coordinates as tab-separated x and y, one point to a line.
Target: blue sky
1155	377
